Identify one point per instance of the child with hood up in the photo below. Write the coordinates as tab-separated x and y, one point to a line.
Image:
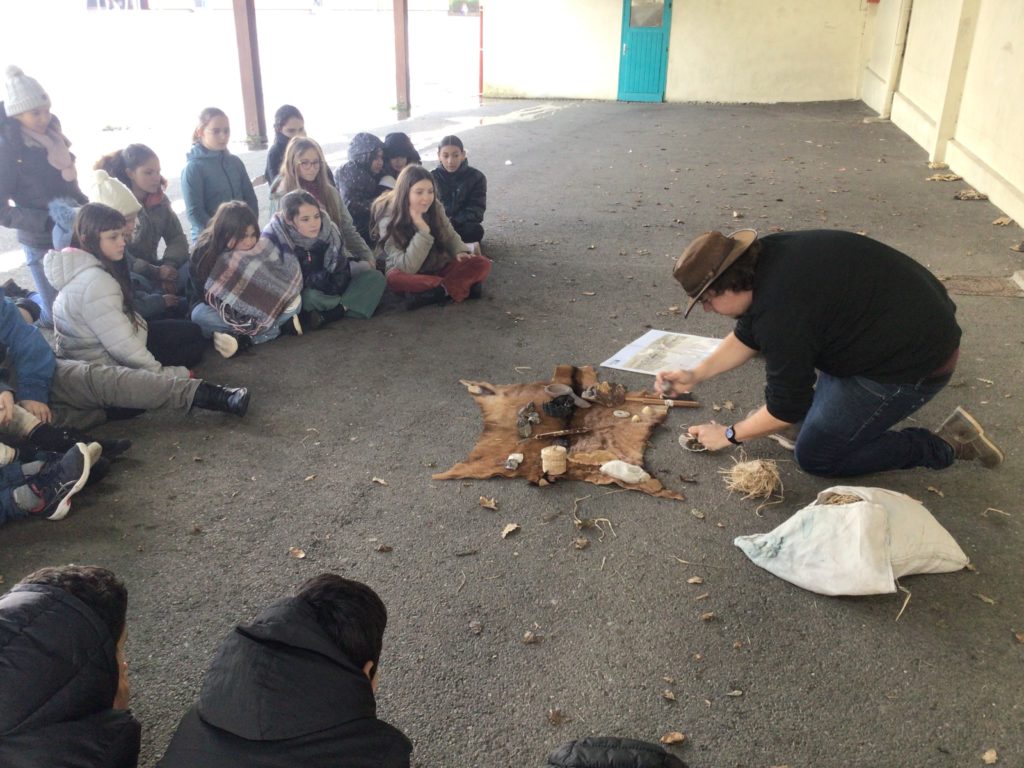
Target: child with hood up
358	179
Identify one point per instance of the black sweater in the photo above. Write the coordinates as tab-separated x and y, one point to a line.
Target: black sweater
846	305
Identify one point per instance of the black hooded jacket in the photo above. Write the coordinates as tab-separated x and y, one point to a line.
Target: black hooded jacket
357	183
280	694
464	197
58	679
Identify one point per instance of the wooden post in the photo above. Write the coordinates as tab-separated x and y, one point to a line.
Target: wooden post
252	82
402	57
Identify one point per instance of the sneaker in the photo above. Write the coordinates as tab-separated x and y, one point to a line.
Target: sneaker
436	295
968	440
14	291
314	320
61	479
225	344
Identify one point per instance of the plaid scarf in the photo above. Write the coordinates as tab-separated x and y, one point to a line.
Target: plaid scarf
250	289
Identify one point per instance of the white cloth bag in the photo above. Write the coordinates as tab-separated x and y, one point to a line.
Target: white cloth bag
858	548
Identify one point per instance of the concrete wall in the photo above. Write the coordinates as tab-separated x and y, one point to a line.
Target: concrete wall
957	92
719	50
552	48
884	36
751	50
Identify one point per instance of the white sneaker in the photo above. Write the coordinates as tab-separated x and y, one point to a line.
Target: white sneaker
225	344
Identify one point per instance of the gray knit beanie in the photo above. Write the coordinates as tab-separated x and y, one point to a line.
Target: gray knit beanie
23	93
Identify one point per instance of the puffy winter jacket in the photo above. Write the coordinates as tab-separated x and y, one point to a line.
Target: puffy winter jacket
464	196
424	254
89	320
281	694
357	183
27	353
29	181
212	177
58	678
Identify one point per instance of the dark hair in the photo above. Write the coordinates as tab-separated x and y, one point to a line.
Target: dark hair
395	205
285	113
450	141
294	200
91	220
398	144
117	164
205	117
97	587
229	222
740	274
351	614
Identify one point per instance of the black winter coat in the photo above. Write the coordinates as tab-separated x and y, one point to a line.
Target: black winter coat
464	196
612	752
29	181
280	694
58	678
359	188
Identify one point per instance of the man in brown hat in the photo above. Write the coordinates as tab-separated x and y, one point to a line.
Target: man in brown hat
855	336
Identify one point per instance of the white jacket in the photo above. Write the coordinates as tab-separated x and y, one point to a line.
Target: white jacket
89	320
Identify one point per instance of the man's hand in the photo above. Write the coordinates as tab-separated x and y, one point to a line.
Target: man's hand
6	408
40	410
674	383
711	436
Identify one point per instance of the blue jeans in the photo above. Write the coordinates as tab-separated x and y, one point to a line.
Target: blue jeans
207	318
47	293
11	477
847	430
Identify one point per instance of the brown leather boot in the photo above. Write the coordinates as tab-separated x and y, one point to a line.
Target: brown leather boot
968	440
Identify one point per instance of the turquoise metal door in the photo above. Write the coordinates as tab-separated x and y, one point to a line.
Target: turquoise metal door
643	58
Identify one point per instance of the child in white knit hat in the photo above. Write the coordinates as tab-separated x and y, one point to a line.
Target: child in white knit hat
36	168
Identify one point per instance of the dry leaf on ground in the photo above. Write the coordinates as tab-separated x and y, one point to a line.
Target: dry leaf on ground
936	491
669	680
672	737
709	616
1019	637
735	693
985	598
476	627
379	481
589	293
937	166
668	695
309	477
297	553
556	717
695	580
531	638
384	548
581	543
990	757
970	194
1003	221
489	503
944	177
509	529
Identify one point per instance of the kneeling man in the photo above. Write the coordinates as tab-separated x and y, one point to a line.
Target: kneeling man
855	335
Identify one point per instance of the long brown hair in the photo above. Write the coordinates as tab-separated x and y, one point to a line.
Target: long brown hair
117	164
91	221
395	205
229	222
320	187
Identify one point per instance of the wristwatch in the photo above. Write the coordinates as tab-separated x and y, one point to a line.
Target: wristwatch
730	435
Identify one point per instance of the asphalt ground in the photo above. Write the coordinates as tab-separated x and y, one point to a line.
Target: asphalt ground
598	198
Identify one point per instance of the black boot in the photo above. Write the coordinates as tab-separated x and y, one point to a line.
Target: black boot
436	295
476	291
316	319
62	439
213	397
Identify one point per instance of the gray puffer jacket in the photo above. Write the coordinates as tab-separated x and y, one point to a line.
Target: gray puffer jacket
89	319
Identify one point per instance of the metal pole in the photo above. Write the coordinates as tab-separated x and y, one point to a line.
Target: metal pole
249	65
402	57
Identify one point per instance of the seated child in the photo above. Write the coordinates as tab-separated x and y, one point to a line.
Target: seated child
335	283
295	687
358	179
461	189
398	153
424	255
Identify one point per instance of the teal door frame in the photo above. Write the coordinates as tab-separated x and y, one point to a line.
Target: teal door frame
643	57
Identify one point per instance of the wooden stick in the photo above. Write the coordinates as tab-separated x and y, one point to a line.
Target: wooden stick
662	401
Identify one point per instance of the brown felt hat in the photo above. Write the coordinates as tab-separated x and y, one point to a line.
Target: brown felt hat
706	258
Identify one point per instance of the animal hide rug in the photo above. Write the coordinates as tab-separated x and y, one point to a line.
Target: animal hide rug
610	437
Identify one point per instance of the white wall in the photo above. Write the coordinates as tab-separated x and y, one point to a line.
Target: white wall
883	48
552	48
987	147
752	50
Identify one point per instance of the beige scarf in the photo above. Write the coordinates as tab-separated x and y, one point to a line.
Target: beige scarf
57	153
